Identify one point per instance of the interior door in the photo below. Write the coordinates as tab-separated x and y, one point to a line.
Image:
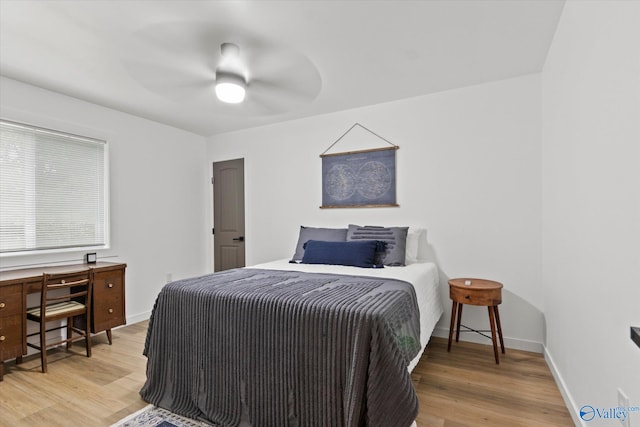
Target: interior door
228	215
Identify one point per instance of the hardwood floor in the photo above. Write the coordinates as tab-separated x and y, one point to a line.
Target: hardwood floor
77	390
457	389
465	388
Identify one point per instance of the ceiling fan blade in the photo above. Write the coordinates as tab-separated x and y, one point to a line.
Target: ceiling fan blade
173	82
287	70
170	41
260	105
283	94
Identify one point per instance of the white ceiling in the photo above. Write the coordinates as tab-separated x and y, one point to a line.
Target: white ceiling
156	59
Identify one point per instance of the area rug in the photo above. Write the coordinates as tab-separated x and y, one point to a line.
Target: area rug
152	416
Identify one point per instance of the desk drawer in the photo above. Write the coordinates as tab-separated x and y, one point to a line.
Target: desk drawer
10	336
107	283
108	300
107	315
10	300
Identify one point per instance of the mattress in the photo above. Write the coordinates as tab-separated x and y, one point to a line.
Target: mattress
422	275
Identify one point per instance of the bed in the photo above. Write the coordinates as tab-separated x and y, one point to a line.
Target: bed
292	344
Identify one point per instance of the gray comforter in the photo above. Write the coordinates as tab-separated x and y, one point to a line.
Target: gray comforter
260	348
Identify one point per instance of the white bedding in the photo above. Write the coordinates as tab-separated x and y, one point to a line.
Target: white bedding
422	275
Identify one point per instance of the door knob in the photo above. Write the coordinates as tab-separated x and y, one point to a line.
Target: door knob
239	239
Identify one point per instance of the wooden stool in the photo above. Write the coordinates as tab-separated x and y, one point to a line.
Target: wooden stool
476	292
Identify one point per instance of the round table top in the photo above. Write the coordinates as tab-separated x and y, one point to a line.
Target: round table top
483	284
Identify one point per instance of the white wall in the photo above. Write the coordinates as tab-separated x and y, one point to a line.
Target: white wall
159	190
468	170
591	202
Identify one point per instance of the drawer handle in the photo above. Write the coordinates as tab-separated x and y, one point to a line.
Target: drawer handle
467	297
110	285
2	338
2	305
110	310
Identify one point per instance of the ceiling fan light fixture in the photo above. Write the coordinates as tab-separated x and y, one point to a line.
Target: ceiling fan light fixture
230	88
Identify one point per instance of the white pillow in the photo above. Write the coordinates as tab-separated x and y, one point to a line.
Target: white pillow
413	241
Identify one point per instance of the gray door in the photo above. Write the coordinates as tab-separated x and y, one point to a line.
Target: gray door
228	214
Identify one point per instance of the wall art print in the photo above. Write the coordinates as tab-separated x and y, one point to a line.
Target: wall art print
360	179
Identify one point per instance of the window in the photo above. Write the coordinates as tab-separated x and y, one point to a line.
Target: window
52	190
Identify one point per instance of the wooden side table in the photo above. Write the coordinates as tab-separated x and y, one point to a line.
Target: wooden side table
476	292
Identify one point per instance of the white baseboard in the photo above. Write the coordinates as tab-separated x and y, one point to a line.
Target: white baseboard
515	343
138	317
574	411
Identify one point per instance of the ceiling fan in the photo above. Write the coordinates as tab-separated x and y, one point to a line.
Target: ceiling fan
221	69
231	82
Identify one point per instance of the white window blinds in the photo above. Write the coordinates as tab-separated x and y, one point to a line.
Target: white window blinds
52	190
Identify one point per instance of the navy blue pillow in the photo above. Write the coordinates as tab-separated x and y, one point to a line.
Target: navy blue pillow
356	254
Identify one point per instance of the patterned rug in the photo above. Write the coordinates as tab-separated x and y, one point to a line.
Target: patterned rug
152	416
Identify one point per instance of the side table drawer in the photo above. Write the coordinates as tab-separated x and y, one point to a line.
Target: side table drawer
476	296
108	300
10	336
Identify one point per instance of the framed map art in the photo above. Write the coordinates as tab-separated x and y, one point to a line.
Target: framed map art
359	179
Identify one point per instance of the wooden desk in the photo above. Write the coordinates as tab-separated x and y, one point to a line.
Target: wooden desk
477	292
107	311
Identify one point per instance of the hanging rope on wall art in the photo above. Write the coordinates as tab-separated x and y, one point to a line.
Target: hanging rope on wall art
359	179
393	146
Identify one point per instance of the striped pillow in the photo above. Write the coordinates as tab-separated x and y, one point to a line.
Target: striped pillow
394	237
